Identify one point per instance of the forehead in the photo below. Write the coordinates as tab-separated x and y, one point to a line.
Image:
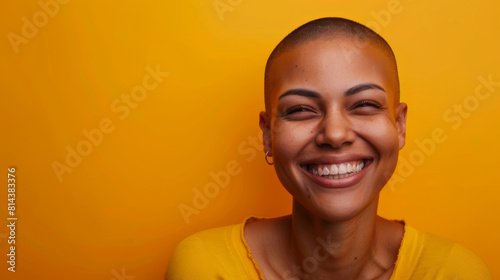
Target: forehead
332	65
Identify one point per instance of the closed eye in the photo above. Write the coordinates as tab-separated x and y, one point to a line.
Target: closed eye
297	109
300	113
366	103
366	107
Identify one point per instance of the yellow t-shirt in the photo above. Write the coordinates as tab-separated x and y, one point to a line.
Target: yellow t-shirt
222	253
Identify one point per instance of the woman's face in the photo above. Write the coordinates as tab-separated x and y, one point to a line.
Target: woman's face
336	125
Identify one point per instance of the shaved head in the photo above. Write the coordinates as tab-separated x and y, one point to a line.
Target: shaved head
329	28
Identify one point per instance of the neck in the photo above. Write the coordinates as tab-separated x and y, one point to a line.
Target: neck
347	249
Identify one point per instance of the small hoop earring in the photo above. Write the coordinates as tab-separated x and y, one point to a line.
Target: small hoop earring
270	163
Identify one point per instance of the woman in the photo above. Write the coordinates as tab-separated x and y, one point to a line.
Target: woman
333	128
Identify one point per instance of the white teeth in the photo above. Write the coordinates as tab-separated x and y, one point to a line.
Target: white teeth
337	171
342	169
334	170
349	167
326	171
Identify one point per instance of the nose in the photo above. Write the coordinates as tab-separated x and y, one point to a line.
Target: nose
335	130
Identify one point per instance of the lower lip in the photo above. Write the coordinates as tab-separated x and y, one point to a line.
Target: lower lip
338	183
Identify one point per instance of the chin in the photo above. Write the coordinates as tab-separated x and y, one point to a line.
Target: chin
337	207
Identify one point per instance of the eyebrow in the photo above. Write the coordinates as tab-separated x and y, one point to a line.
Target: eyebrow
314	94
361	87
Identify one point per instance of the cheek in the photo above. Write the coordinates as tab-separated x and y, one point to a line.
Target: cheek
289	139
383	137
381	134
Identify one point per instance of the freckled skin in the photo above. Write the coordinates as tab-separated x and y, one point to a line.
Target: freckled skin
334	127
370	123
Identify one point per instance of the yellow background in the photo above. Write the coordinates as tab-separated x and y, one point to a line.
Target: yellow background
116	215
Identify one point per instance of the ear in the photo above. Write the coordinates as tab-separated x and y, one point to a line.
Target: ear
401	123
265	126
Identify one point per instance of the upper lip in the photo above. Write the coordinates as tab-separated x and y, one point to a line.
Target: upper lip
335	159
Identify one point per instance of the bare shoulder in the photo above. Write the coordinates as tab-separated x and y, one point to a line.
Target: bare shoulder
390	234
267	242
266	231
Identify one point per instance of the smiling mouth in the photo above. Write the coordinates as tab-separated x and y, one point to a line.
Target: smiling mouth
336	171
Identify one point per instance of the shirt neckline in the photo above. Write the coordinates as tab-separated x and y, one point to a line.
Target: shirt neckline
261	275
249	252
